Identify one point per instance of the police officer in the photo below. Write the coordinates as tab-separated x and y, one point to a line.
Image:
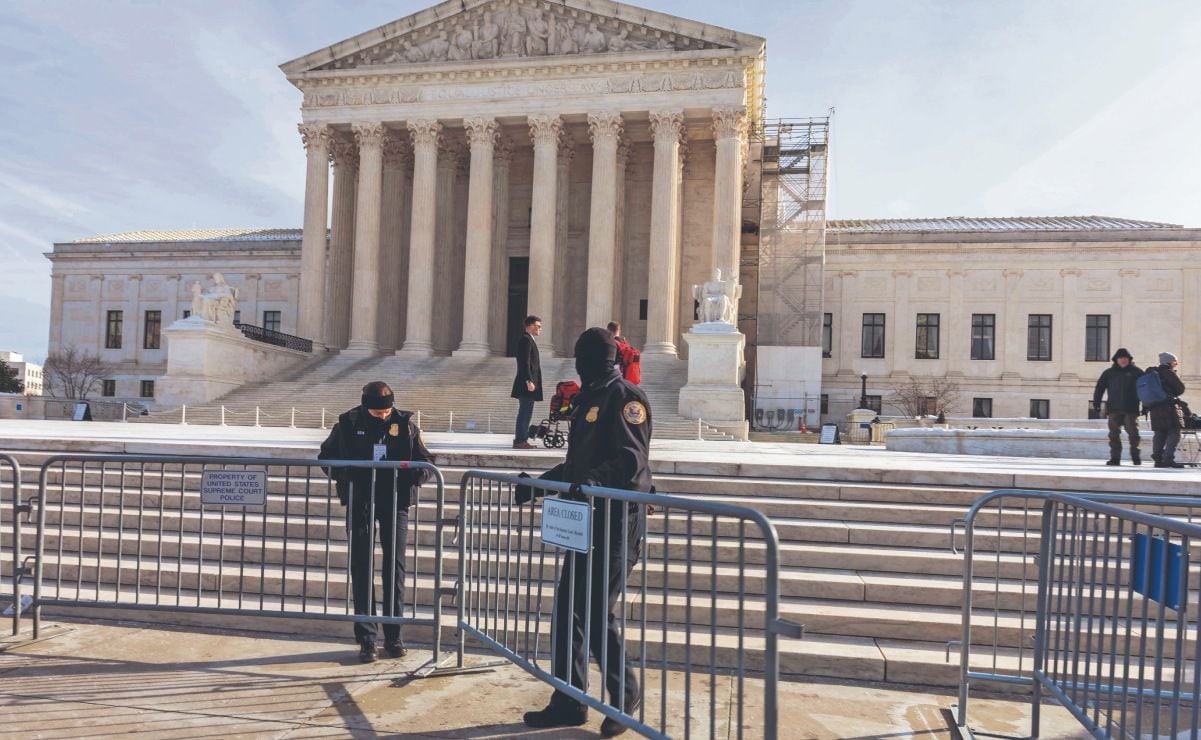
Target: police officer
375	430
608	446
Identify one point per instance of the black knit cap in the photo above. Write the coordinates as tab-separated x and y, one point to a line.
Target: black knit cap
377	395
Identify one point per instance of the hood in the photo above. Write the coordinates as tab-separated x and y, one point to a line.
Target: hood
1123	352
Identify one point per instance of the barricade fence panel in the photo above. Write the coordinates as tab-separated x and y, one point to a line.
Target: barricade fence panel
1087	591
246	536
660	597
11	552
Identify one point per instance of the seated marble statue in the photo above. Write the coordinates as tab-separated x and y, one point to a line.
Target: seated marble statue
718	299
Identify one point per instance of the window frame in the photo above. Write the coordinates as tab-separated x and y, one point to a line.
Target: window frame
881	341
1040	337
981	404
1045	412
987	321
108	387
1092	333
144	387
875	403
114	327
277	317
152	318
932	330
827	335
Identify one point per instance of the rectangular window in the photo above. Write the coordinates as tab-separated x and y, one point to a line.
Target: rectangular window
827	335
825	403
1040	408
112	330
1038	338
873	335
147	389
642	308
108	388
875	403
984	335
928	406
153	330
1096	338
271	320
186	313
927	337
982	408
237	318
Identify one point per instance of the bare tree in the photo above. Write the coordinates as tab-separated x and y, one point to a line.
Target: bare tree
926	397
74	373
9	382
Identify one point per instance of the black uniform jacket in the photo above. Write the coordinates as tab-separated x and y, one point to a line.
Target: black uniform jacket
609	443
1119	384
354	438
529	368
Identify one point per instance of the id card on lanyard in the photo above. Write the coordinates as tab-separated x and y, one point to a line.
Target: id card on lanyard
379	451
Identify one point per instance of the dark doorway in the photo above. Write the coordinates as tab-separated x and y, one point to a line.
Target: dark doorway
519	290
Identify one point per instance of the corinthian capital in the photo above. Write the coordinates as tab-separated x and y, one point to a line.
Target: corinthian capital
343	152
604	125
545	129
729	123
315	136
482	131
504	150
425	132
397	151
668	126
369	134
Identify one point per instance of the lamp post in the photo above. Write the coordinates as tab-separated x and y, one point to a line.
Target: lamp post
863	391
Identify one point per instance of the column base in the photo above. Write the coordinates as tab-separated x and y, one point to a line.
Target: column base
416	349
661	348
473	350
361	348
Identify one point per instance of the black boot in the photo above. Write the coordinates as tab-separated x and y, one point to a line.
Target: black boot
367	651
395	648
612	728
1113	461
1135	457
556	715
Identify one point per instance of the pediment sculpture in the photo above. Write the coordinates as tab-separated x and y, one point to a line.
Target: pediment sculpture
514	29
217	304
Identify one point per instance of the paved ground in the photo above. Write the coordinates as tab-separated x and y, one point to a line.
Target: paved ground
107	679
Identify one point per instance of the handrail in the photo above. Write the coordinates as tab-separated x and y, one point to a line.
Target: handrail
276	338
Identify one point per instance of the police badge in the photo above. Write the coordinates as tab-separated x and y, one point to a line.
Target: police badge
394	430
634	413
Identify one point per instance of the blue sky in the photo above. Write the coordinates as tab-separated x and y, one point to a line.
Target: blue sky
122	115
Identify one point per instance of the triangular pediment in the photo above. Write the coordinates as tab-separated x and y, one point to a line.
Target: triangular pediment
486	31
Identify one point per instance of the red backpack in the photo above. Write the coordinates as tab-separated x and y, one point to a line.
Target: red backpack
630	361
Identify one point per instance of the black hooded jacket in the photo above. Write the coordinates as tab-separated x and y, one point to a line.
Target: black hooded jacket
1119	384
354	438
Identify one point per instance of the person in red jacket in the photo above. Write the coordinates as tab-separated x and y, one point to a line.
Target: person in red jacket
629	360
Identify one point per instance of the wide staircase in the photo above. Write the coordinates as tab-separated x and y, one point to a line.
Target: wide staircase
867	566
452	394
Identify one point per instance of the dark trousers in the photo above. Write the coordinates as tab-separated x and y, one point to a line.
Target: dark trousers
1117	422
1163	445
604	634
361	566
525	412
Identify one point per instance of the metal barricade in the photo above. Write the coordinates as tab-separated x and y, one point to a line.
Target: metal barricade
1049	584
683	619
253	537
12	508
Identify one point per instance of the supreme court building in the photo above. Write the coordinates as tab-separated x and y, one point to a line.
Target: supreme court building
588	161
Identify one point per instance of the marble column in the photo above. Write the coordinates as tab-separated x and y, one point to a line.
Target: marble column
314	242
341	244
619	237
729	130
419	318
959	327
448	268
1013	334
564	264
499	291
663	273
365	289
394	191
57	296
477	277
544	132
135	325
605	128
1071	328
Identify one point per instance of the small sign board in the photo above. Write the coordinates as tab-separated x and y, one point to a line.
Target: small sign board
83	412
829	435
1155	569
567	524
234	488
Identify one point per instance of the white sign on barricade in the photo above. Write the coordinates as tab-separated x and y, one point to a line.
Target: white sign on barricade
234	488
567	524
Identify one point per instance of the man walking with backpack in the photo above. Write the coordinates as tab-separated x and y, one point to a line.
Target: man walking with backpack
1159	389
1118	382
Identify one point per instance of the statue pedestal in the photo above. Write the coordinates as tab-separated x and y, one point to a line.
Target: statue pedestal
715	369
206	360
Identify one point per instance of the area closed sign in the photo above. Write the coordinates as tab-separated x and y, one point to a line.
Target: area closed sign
567	524
234	488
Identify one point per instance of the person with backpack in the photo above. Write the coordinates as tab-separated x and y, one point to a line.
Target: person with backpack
1159	389
1122	407
629	360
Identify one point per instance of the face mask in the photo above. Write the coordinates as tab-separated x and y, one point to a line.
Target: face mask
591	369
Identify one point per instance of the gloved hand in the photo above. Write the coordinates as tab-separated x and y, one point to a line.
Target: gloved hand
523	494
575	493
